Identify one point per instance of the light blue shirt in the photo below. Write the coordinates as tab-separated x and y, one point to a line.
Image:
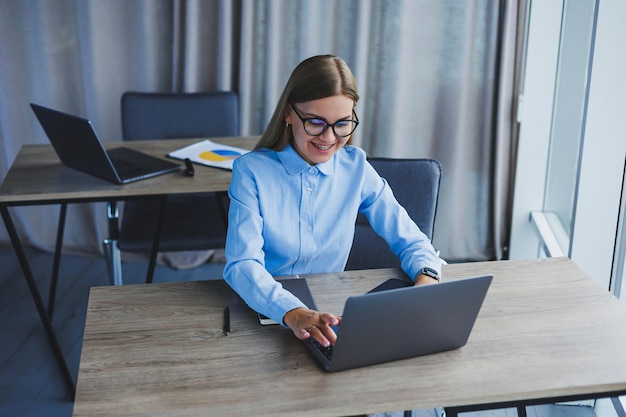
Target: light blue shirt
287	217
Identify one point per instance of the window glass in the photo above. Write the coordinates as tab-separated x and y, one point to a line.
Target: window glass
569	108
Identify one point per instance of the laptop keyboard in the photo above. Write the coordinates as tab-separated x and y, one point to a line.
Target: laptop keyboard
126	169
326	351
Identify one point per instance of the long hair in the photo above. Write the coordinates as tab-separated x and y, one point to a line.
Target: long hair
317	77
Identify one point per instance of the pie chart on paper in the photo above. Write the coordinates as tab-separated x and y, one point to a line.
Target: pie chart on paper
210	154
219	155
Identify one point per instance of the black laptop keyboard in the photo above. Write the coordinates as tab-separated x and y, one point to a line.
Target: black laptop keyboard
326	351
126	169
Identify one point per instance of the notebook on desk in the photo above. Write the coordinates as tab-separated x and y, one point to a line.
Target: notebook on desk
391	323
76	143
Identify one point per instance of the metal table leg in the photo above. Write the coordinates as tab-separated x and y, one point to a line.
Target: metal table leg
57	260
454	411
41	309
157	239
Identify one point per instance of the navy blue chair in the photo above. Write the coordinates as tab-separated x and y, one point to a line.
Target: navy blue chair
415	184
191	222
179	115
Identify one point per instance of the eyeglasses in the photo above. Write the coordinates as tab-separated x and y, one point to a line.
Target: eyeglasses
315	127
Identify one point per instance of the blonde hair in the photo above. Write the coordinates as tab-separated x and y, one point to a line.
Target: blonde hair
317	77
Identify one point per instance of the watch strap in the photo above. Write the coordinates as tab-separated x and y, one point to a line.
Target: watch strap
430	272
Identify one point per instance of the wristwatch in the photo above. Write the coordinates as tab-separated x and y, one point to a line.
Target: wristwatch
430	272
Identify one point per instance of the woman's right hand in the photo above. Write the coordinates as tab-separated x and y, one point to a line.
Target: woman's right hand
305	323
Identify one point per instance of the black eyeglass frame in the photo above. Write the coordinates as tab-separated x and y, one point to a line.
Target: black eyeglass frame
332	126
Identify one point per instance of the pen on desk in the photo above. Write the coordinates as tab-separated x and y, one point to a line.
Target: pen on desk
227	321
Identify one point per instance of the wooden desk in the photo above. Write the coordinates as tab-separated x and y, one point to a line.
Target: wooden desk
546	332
37	177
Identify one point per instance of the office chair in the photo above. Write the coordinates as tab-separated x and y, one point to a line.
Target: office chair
415	183
190	222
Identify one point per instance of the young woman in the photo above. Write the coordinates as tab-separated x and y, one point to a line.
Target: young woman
295	198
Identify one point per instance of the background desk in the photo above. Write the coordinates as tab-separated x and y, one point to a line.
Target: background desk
37	177
546	332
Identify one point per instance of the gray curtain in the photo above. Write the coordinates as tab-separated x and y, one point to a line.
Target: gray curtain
436	79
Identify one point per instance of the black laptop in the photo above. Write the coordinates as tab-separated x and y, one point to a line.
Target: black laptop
397	320
76	143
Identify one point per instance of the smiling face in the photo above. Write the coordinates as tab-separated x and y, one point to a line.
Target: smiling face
319	149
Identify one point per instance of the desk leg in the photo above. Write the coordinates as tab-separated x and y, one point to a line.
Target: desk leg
57	260
454	411
157	239
618	403
34	291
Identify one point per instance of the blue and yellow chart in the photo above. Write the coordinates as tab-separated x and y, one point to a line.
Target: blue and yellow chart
219	155
207	152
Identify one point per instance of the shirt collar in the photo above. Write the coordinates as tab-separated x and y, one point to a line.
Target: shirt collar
294	163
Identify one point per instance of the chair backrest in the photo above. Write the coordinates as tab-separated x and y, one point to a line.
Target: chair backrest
179	115
415	183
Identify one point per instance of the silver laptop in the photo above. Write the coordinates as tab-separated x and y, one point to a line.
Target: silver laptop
76	143
398	323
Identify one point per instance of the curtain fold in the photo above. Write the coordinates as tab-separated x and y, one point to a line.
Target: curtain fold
436	80
513	19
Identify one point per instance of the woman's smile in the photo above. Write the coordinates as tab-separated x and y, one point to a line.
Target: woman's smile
319	149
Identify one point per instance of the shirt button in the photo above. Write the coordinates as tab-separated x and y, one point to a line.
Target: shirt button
312	170
309	190
308	228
